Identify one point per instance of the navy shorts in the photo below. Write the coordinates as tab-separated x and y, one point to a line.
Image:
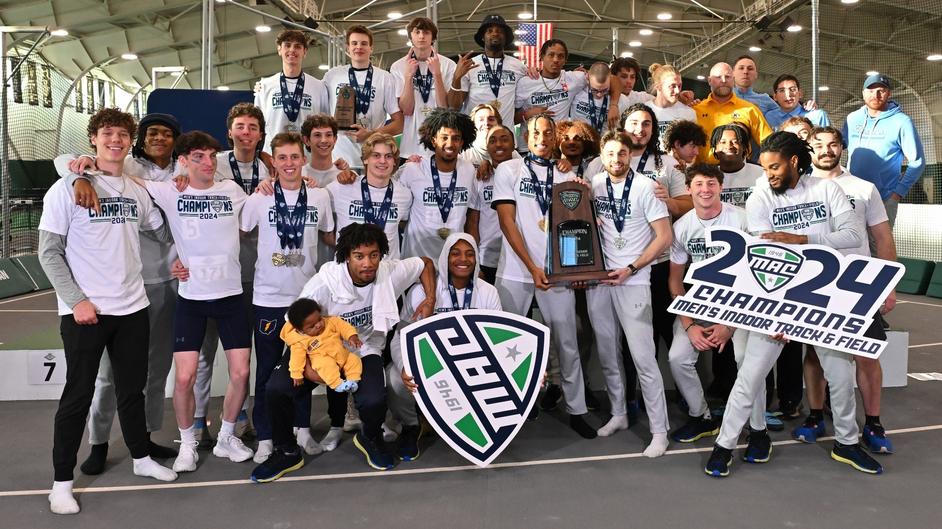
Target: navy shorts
189	323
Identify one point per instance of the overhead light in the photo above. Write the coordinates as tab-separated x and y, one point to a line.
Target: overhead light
700	77
323	67
634	43
403	32
129	56
823	88
220	1
934	57
394	15
794	28
849	1
754	48
525	15
59	33
222	88
646	32
872	72
262	28
664	16
176	74
627	54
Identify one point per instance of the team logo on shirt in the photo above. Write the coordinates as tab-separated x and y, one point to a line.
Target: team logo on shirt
478	373
799	217
697	247
603	207
311	219
506	78
773	266
360	318
277	100
736	196
204	206
547	99
114	210
460	198
355	211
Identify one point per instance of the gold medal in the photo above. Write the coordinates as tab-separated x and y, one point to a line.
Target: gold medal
427	110
444	232
291	128
542	224
278	259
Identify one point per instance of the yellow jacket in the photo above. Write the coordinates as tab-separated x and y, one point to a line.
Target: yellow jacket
325	351
711	114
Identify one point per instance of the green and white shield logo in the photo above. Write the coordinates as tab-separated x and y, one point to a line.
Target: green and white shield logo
773	266
478	373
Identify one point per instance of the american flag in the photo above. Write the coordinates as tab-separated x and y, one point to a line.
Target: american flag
533	36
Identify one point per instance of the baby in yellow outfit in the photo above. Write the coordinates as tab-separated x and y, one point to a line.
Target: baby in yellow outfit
319	339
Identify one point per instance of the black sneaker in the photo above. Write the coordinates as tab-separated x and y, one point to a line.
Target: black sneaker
551	397
591	402
718	464
409	443
759	449
695	429
278	464
856	457
376	457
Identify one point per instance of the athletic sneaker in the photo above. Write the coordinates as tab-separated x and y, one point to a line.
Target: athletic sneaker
551	397
855	456
718	464
759	449
186	457
278	464
409	442
232	447
809	431
695	429
376	457
773	423
874	438
351	421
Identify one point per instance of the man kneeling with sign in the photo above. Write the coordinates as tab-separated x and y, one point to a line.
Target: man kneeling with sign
812	294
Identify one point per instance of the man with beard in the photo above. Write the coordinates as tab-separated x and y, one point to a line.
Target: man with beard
722	106
490	77
827	143
523	191
482	223
787	161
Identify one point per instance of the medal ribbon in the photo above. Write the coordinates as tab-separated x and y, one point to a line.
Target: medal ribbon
292	104
290	225
618	215
493	78
382	215
423	82
542	199
598	116
362	103
237	174
466	304
445	201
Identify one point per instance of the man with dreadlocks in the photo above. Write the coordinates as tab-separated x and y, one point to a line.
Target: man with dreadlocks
787	162
441	186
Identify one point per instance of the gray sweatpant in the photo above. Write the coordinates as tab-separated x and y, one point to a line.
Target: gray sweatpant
761	352
207	356
162	298
558	306
605	327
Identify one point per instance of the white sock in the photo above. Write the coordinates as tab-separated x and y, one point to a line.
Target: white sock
332	439
658	446
227	428
616	423
188	435
61	500
307	442
148	468
264	450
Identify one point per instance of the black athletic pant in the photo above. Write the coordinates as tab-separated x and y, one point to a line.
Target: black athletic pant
126	338
370	400
662	320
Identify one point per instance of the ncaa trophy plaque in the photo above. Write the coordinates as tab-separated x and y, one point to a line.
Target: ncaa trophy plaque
574	249
345	111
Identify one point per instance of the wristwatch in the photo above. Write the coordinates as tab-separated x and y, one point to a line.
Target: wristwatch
633	268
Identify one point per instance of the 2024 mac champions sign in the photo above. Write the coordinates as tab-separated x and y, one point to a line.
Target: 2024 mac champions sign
810	293
478	374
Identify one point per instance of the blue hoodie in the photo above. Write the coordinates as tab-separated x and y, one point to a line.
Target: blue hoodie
876	147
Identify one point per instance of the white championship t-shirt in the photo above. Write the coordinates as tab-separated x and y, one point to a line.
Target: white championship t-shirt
583	110
513	183
689	233
384	102
205	226
488	223
667	115
477	84
247	243
808	209
409	144
157	257
554	94
868	208
642	209
279	286
347	201
269	98
739	185
322	177
103	251
425	219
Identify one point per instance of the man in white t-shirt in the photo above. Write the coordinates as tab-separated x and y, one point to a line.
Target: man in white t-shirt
289	225
490	77
634	225
458	287
830	221
695	336
482	223
376	96
361	287
864	197
423	76
625	73
441	186
92	259
731	146
374	198
597	104
291	95
522	197
666	105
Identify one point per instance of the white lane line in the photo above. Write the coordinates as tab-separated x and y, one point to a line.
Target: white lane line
28	297
418	471
925	345
899	302
28	310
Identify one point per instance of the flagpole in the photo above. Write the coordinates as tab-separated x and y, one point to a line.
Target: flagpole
534	10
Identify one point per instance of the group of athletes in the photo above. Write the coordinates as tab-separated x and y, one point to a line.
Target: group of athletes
163	243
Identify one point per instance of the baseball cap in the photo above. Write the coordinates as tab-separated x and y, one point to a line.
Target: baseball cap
877	79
